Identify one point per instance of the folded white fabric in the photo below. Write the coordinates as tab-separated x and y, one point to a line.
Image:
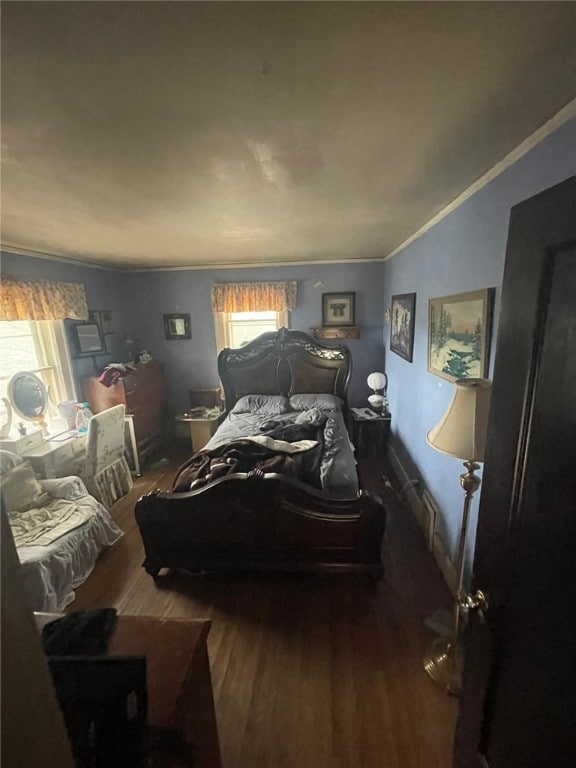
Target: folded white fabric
313	416
281	445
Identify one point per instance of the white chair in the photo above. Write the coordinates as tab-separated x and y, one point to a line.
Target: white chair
104	468
58	529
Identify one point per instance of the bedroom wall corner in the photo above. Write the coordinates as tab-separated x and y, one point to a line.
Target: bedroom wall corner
465	251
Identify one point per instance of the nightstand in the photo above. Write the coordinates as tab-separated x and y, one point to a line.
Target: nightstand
370	436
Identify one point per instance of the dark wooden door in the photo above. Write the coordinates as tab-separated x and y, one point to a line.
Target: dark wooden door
518	702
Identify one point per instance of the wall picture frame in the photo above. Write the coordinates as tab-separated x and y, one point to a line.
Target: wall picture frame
87	340
459	334
177	326
403	310
338	309
103	317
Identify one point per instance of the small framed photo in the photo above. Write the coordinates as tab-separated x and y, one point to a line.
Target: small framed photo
177	327
402	325
459	333
338	309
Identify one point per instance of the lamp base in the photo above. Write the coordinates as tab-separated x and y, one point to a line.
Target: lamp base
444	663
377	402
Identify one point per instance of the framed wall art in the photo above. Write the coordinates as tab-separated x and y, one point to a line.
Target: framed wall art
402	325
103	318
459	333
338	309
87	340
177	327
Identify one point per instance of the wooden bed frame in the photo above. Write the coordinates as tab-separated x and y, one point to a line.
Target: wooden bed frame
271	522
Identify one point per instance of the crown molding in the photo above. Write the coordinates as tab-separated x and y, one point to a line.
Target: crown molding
54	257
561	117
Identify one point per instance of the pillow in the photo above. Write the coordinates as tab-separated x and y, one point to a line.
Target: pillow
270	405
322	401
8	461
21	490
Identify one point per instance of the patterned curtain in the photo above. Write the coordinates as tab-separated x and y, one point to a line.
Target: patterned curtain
41	300
254	297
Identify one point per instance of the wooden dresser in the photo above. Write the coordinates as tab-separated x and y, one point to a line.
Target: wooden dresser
143	392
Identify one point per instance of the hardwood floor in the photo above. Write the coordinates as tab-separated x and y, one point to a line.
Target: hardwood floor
308	671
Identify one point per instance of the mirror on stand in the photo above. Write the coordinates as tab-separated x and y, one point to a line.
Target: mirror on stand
29	398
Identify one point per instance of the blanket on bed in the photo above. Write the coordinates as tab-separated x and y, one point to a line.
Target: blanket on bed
296	452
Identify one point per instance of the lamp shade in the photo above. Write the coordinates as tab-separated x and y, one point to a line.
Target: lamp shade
377	381
461	432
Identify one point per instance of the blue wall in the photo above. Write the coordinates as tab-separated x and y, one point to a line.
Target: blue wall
192	363
463	252
138	301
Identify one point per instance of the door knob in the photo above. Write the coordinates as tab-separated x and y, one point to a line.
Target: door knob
477	602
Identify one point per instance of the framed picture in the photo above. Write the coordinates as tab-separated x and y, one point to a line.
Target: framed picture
459	333
88	340
338	309
402	325
177	327
103	317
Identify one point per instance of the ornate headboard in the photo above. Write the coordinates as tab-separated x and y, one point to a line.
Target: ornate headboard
284	363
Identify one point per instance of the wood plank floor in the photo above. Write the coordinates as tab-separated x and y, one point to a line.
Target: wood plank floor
308	671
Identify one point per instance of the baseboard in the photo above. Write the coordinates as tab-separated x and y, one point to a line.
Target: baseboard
411	495
425	519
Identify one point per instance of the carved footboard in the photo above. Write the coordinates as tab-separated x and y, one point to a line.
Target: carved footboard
261	522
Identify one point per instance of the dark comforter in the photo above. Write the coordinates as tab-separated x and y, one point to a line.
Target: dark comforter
245	455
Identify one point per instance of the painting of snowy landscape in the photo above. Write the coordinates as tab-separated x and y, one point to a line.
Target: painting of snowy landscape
459	335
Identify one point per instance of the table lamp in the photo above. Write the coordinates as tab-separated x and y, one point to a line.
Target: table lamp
461	432
378	382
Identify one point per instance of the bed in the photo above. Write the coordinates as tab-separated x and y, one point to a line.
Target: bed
276	487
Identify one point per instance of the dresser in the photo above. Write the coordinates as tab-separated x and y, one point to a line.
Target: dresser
143	392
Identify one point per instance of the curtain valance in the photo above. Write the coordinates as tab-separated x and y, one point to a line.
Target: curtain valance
41	300
254	297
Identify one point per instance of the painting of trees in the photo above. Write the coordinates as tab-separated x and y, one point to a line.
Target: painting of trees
459	335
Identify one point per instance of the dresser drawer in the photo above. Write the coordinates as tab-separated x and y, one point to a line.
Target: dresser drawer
51	459
24	443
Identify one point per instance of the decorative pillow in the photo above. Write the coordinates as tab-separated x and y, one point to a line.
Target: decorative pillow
9	460
322	401
21	490
269	405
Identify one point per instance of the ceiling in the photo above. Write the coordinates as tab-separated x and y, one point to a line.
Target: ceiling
165	134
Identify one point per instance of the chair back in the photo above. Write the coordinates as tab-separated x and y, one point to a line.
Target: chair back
105	439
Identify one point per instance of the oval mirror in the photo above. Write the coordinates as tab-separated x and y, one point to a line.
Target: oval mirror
29	396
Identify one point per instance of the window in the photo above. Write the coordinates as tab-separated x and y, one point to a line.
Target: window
234	329
40	347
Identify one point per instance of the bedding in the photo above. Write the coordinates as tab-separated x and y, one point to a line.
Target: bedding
273	405
337	473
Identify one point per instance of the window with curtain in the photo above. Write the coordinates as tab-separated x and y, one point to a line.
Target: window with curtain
242	311
32	334
40	347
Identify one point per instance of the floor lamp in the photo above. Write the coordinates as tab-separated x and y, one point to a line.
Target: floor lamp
461	432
